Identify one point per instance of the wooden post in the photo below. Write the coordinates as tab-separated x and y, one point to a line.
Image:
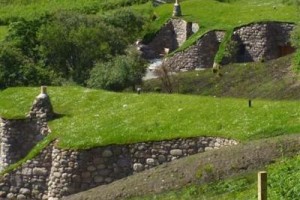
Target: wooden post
250	103
43	89
262	185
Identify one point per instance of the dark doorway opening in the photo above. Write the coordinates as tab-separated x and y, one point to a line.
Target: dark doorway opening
286	50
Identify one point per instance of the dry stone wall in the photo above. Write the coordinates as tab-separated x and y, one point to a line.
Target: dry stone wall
253	42
19	136
56	172
171	36
30	181
261	41
17	139
199	55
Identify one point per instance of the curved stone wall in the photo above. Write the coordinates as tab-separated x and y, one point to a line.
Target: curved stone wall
171	36
199	55
262	41
56	172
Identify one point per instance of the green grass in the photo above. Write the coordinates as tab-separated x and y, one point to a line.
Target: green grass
3	32
37	8
211	14
96	118
269	80
283	183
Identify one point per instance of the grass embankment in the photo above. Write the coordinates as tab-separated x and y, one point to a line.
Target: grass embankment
3	32
96	118
270	80
12	10
283	183
211	14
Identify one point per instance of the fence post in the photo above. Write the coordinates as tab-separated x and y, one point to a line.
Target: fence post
262	185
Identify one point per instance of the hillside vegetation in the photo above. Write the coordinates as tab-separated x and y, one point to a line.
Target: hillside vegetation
96	118
88	43
274	79
210	14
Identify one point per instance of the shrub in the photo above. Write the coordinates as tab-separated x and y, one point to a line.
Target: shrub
121	72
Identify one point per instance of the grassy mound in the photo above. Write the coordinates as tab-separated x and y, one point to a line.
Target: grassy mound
210	14
94	118
270	80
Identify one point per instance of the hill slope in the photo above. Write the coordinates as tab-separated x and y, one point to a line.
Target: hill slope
270	80
196	170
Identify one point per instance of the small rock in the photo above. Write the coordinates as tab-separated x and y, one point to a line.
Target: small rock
25	191
161	158
176	152
151	161
86	175
138	167
107	153
98	179
21	196
10	196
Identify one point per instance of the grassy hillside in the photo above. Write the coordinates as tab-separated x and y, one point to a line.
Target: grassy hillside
270	80
95	118
210	14
283	183
3	32
12	10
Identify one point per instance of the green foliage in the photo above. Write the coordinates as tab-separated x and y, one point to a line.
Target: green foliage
226	48
96	118
16	9
210	14
17	70
71	43
3	32
295	38
67	44
283	183
119	73
125	19
284	179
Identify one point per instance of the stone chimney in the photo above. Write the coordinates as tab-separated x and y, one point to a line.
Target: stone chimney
42	107
177	9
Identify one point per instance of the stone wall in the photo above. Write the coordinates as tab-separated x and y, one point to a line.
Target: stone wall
30	181
171	36
199	55
56	172
18	137
262	41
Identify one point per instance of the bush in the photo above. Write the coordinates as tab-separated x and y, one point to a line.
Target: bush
121	72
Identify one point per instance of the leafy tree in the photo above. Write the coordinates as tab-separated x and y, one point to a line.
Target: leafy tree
18	70
130	22
121	72
71	43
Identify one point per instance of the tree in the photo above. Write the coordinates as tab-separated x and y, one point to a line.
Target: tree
71	43
18	70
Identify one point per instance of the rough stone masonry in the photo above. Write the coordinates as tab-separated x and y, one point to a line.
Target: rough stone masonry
56	173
